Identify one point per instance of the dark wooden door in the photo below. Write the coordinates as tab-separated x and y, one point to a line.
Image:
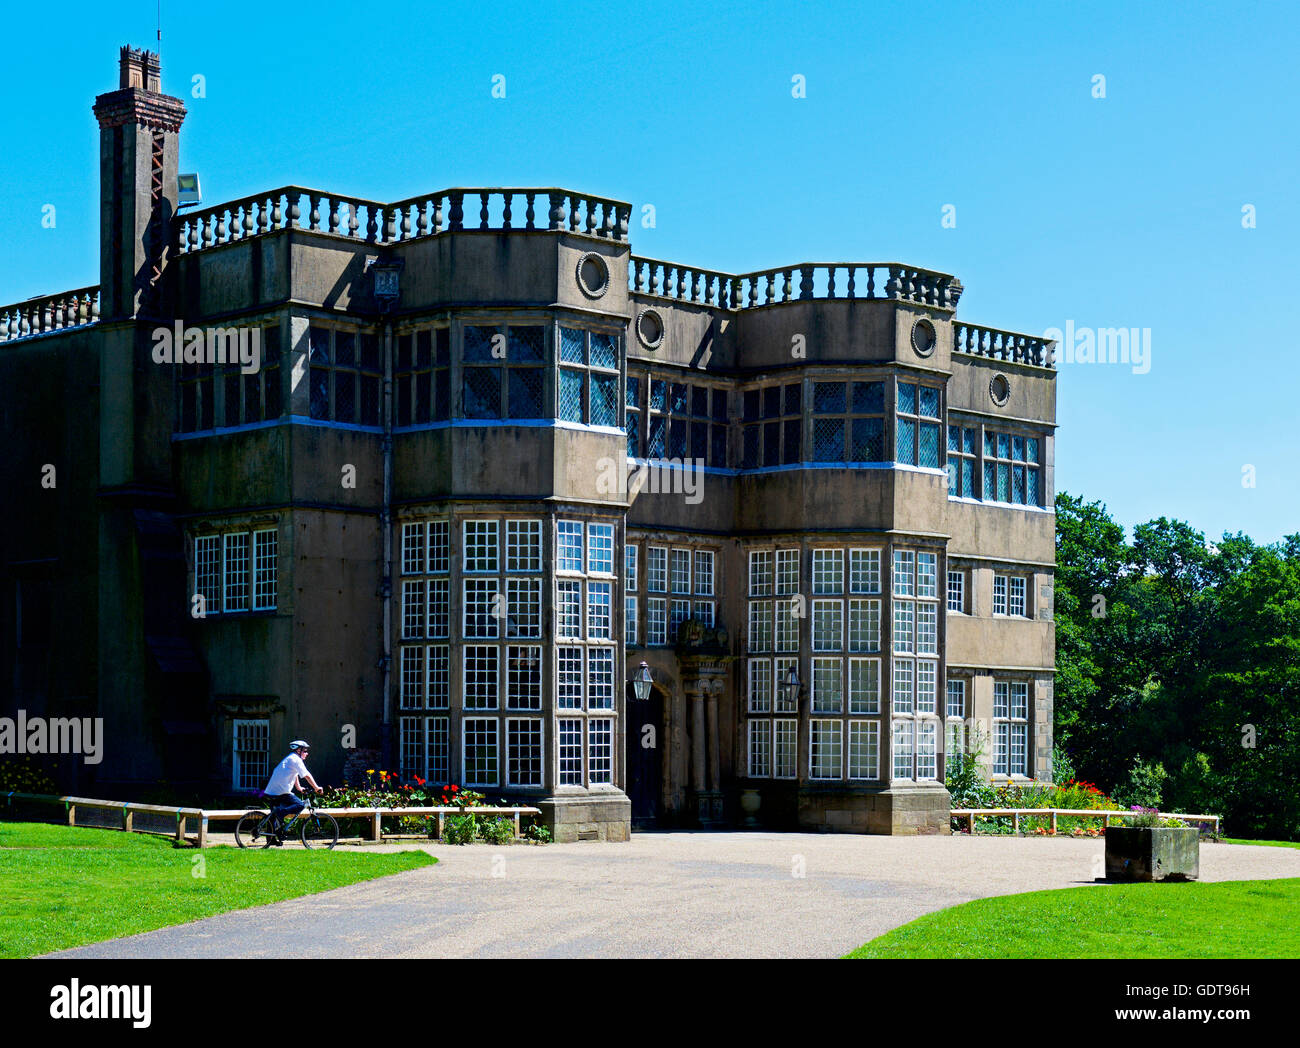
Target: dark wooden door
645	741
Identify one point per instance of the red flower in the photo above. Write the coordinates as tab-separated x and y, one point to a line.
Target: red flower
454	789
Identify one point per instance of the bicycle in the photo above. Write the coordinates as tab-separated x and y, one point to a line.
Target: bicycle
260	829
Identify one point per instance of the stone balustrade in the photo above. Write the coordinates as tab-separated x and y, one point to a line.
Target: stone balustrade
279	209
1002	345
504	209
492	209
46	313
683	283
806	280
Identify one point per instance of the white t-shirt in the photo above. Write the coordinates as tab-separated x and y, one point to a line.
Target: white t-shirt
285	775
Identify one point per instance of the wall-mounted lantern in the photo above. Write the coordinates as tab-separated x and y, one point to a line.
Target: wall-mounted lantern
641	682
385	273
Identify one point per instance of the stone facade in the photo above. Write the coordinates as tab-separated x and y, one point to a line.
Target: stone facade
487	461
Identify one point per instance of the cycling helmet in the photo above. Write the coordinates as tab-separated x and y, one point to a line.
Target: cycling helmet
299	744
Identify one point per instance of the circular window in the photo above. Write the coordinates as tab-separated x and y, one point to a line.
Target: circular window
650	328
593	275
999	389
923	337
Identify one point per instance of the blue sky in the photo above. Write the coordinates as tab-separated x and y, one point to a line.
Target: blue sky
1123	211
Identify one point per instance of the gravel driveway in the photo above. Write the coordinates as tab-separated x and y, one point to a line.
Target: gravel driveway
662	895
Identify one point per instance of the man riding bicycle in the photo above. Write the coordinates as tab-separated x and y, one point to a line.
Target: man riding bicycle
285	779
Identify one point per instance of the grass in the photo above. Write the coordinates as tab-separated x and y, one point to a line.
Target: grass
1266	844
1221	920
62	887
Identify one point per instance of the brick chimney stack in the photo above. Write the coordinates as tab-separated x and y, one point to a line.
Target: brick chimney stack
139	130
139	147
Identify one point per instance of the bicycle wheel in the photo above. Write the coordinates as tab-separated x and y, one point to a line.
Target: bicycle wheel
250	832
319	831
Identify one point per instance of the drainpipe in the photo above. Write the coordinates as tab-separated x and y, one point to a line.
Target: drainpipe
386	274
386	526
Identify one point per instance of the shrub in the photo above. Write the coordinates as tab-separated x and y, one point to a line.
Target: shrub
496	831
537	832
966	783
20	774
459	829
965	779
1146	782
1062	765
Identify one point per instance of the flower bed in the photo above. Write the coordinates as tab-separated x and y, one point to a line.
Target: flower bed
1074	794
387	789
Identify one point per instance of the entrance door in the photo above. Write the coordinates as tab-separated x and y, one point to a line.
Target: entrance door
645	742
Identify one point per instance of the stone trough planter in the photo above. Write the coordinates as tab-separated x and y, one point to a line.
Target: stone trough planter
1153	853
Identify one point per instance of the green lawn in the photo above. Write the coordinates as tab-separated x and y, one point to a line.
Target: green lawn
1266	844
1226	919
63	887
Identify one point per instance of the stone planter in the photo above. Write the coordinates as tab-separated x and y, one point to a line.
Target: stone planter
1153	853
750	802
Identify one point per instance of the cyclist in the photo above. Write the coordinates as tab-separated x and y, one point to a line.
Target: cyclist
285	779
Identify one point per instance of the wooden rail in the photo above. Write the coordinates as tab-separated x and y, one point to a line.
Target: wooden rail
376	815
201	817
970	814
128	810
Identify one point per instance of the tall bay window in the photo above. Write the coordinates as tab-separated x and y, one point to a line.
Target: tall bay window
772	727
586	651
1010	728
914	707
423	653
843	668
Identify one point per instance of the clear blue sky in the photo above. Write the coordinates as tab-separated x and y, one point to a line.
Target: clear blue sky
1117	212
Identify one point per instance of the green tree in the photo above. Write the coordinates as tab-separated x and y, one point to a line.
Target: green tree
1177	653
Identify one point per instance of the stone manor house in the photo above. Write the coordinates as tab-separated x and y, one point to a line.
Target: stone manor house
478	463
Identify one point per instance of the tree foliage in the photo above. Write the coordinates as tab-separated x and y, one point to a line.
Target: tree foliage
1184	654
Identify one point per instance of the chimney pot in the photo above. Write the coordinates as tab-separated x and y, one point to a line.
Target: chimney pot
139	69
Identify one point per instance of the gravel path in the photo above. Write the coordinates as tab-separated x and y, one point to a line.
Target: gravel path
662	895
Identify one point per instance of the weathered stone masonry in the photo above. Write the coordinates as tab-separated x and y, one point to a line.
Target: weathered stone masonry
400	533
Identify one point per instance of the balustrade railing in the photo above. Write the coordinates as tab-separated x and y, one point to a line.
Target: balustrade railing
496	209
1002	345
279	209
36	316
501	209
806	280
683	283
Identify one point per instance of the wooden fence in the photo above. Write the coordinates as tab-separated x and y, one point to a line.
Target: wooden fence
200	818
377	815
